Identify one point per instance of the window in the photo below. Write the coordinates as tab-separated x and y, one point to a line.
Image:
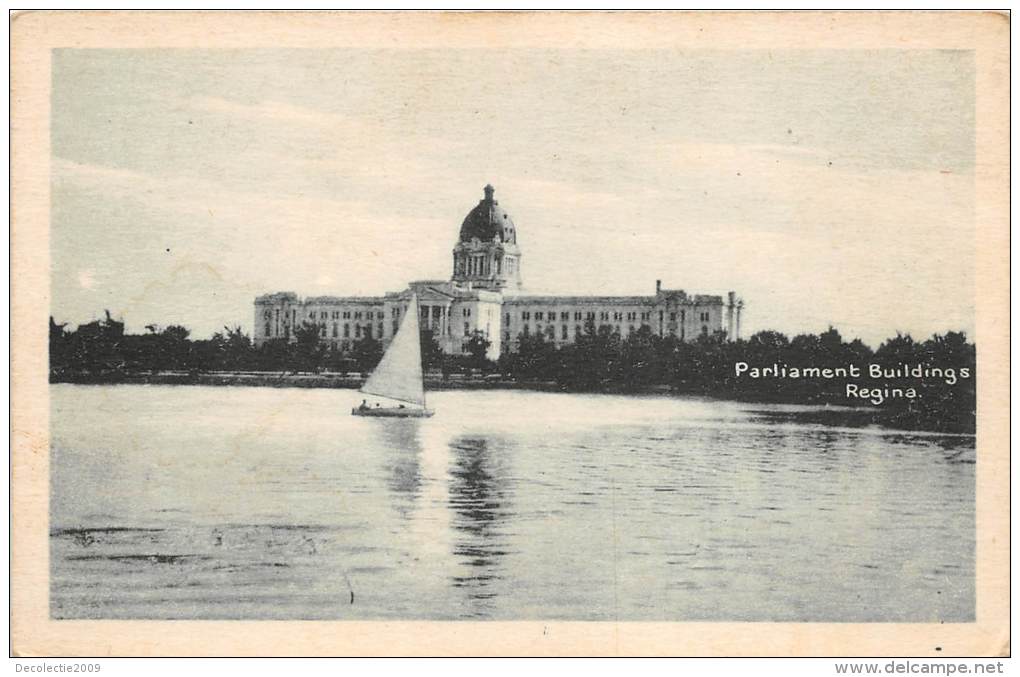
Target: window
630	329
368	331
357	315
604	315
266	314
564	335
357	331
347	330
268	328
322	330
506	337
508	318
550	331
336	330
467	328
312	314
525	316
577	330
551	314
577	315
538	316
672	317
617	316
322	315
564	317
380	330
466	312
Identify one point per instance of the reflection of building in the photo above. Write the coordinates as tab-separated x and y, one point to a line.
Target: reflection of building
485	295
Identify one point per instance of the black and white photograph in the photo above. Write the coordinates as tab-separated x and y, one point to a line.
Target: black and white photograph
675	331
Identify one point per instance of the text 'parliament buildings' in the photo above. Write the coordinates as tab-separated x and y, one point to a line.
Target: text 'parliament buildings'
485	295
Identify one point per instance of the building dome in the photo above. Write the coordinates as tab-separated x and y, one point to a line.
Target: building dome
488	221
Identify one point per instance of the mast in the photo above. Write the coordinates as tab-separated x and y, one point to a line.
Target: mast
424	402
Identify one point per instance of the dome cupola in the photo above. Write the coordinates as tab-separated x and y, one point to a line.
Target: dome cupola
486	254
488	221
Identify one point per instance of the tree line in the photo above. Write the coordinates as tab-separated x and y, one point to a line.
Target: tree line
600	360
103	347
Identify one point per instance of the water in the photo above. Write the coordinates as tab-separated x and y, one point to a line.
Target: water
260	503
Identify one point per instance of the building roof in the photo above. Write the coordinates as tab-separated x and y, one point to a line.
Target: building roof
340	300
277	297
552	300
488	221
577	300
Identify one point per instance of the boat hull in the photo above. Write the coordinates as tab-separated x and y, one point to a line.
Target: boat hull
392	412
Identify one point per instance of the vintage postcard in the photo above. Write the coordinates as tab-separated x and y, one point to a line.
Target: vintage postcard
510	333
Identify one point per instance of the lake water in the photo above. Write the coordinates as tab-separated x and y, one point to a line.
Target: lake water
259	503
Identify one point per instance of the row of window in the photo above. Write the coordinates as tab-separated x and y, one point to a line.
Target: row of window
347	315
550	315
359	330
480	264
526	315
550	331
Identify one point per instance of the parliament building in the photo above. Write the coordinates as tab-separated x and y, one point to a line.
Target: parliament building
485	294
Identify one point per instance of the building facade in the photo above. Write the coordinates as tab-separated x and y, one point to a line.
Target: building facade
485	294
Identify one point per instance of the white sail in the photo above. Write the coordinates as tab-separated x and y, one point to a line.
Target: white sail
399	374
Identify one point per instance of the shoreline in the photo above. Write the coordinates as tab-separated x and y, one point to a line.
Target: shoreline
827	414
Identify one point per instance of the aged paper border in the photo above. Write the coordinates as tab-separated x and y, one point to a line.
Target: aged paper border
34	34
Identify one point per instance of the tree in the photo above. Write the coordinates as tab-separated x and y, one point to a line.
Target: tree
431	352
58	345
478	350
594	359
366	353
175	346
535	357
306	349
232	349
98	345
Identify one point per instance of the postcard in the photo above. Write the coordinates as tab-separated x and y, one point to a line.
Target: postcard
510	333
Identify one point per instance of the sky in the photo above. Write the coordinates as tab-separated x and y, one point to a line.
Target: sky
828	187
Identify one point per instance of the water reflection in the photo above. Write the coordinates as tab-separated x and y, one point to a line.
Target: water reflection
402	447
478	498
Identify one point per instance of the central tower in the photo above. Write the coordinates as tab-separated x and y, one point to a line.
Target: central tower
486	255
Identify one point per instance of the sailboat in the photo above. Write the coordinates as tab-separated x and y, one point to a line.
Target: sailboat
399	375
